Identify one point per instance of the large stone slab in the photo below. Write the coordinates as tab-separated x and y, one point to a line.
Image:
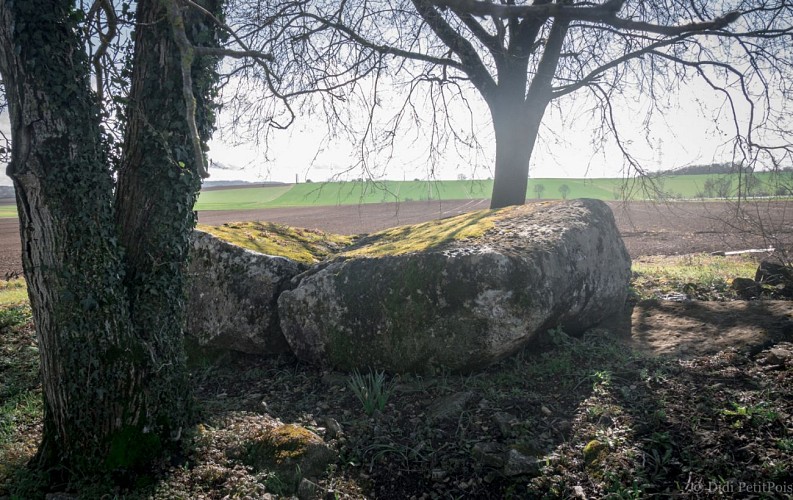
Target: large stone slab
232	296
462	292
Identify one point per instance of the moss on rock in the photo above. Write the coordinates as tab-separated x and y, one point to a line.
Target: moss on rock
427	235
307	246
459	293
291	452
594	451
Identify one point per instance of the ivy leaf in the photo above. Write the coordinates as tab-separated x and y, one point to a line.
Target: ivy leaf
89	303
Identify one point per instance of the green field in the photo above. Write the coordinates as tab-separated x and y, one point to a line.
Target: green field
353	193
240	199
8	210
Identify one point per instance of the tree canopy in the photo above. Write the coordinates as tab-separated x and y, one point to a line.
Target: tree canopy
519	58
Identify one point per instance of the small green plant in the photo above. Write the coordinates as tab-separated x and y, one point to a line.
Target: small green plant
559	337
658	417
14	316
371	389
600	378
596	411
282	485
617	489
754	414
785	444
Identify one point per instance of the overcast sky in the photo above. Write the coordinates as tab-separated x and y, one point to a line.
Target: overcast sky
565	148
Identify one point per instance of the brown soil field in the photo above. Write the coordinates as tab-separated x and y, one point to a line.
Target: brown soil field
647	228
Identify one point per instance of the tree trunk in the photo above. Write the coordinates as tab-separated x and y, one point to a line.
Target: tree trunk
517	113
70	253
516	132
157	188
108	318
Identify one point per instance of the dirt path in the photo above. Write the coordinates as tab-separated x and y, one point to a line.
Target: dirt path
701	328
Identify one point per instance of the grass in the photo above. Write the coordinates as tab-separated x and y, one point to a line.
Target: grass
8	211
354	193
13	292
341	193
699	276
594	416
240	199
371	389
21	405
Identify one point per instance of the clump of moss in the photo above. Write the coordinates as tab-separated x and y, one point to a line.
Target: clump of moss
290	452
307	246
594	451
287	442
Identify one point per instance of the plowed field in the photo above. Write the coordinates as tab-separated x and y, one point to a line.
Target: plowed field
647	228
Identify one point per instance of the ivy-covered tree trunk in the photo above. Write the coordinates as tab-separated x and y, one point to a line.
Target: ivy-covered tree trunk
157	187
108	317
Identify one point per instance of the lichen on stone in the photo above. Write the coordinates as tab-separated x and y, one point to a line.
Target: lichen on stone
459	293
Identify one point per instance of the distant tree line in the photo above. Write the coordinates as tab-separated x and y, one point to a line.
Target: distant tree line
711	168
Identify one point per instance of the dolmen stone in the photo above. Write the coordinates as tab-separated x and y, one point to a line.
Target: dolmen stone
459	293
232	296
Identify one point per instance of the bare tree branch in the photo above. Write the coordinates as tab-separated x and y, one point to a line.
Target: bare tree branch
604	13
471	63
237	54
385	49
518	57
186	51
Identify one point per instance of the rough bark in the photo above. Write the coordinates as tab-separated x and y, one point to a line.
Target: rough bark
157	188
70	255
104	278
516	124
